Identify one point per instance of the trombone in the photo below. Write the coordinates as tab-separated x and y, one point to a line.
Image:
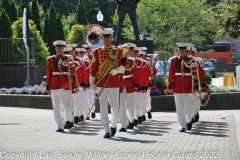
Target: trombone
203	91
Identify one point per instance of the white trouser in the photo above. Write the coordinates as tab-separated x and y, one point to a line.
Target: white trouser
183	108
142	104
196	103
111	95
84	103
90	96
126	109
137	105
81	104
149	106
61	98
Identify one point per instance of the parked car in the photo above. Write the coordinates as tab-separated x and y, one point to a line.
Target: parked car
209	68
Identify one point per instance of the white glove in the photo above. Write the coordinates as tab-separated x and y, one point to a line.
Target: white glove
115	71
92	82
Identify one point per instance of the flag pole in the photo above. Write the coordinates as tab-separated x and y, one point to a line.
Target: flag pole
26	41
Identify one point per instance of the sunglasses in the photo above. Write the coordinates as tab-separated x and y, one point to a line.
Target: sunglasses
140	54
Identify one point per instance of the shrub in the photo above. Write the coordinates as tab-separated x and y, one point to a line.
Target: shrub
208	78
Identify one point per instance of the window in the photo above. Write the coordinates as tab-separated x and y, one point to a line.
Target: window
221	47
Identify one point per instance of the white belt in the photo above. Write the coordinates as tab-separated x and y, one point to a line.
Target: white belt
182	74
127	76
60	73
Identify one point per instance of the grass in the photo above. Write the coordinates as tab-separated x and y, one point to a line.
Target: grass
221	74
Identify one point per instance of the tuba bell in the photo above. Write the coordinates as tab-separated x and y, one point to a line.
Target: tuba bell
92	35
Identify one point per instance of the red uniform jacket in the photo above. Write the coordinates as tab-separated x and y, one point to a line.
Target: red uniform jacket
145	74
180	77
88	70
132	77
58	69
99	56
80	74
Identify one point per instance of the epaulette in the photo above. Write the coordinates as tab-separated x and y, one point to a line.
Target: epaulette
80	59
50	56
172	58
131	58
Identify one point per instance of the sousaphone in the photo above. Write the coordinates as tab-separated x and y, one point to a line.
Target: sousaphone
92	35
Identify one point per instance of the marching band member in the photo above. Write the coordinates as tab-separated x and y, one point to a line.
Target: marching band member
136	116
196	101
90	91
129	84
60	74
145	78
147	95
180	83
80	81
106	67
82	98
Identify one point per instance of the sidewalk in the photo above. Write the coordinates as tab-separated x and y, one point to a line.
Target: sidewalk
30	134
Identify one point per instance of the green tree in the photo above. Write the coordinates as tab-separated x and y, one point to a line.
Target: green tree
228	14
21	7
172	21
5	32
60	33
5	27
76	34
92	10
42	15
68	22
45	35
50	28
107	13
81	13
41	51
5	4
63	7
13	12
35	14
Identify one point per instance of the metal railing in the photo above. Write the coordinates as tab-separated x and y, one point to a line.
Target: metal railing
13	51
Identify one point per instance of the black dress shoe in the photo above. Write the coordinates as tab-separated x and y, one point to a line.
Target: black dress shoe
197	117
67	125
143	118
182	130
81	118
130	126
123	130
76	120
189	126
139	120
107	135
135	123
149	115
60	130
93	115
71	125
114	130
194	119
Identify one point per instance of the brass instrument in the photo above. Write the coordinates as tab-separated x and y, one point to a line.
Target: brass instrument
204	91
70	78
78	88
92	35
125	48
